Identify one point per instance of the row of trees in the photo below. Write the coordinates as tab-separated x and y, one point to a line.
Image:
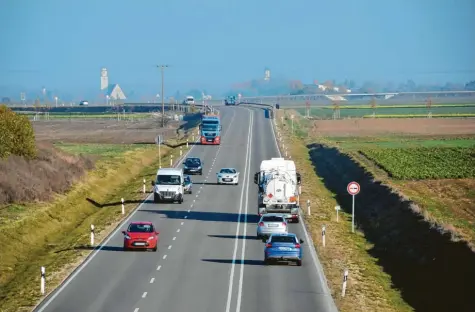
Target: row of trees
16	134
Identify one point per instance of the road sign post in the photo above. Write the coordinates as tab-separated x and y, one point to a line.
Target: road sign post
158	140
353	189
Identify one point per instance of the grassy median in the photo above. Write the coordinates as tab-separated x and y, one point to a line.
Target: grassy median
56	235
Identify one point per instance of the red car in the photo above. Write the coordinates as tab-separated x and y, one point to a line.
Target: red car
141	235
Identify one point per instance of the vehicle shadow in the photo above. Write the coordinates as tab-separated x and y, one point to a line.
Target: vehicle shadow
117	203
251	237
87	247
230	261
206	216
204	183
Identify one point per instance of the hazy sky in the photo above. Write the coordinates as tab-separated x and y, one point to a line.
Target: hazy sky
213	43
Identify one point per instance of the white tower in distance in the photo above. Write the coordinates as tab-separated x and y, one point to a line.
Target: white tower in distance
267	74
104	79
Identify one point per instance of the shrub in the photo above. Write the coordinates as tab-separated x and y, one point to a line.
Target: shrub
16	134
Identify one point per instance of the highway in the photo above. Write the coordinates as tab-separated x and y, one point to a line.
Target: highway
208	259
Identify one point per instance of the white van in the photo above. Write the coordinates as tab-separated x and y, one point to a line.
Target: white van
189	100
168	185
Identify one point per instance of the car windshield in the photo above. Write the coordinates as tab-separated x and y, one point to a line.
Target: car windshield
228	171
272	219
140	228
210	128
193	162
283	239
168	180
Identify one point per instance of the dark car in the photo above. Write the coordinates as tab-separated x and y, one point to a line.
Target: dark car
193	165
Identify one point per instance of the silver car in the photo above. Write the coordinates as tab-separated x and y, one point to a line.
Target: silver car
271	223
227	176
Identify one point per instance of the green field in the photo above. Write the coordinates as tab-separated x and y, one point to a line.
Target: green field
103	150
416	158
418	163
393	111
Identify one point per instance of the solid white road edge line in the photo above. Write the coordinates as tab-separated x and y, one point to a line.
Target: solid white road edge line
44	304
316	262
243	252
231	276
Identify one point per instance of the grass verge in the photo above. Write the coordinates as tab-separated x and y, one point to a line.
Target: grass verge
56	235
369	288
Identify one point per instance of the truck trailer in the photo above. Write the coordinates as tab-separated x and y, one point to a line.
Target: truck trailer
278	188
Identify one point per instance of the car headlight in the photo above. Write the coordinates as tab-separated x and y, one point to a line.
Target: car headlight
151	237
127	237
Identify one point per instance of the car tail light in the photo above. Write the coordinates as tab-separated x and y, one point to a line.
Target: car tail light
270	245
284	224
297	245
261	223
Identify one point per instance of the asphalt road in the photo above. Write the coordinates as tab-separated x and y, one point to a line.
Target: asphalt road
208	259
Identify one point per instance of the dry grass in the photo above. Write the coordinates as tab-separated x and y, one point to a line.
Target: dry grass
369	288
56	235
52	171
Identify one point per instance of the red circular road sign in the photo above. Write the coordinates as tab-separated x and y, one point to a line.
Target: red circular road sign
353	188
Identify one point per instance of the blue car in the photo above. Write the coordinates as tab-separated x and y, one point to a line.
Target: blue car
188	185
283	247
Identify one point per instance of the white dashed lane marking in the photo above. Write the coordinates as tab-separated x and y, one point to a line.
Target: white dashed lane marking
152	280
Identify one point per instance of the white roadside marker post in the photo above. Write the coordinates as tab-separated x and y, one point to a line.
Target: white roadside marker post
43	280
171	161
308	206
345	279
181	151
144	187
353	189
92	235
123	207
186	143
323	235
337	208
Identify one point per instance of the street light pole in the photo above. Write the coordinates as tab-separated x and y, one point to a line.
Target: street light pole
162	68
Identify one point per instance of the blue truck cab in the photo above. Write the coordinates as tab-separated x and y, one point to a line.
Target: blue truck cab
210	130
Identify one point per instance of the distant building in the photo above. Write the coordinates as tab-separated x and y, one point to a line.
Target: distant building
115	92
112	91
267	74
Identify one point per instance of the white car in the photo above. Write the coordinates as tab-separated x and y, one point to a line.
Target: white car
228	176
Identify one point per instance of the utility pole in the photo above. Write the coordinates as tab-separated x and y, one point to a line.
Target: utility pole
162	68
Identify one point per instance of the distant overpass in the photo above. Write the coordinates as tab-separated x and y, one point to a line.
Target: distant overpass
388	98
382	98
